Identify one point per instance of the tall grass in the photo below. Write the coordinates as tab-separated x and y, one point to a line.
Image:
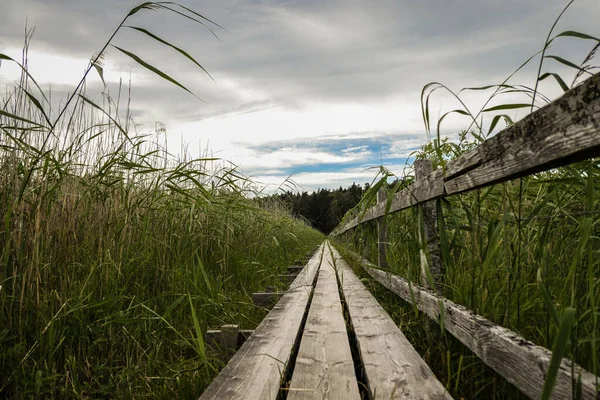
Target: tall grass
525	254
115	256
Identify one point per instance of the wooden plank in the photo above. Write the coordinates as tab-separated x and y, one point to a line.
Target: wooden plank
295	269
519	361
393	368
266	299
324	367
560	133
287	278
431	187
306	276
255	371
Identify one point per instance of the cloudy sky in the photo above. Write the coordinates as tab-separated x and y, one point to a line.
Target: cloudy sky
321	89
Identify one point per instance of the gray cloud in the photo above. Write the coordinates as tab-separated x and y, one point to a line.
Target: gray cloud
292	54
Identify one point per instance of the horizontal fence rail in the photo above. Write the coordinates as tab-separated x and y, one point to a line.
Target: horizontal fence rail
518	360
560	133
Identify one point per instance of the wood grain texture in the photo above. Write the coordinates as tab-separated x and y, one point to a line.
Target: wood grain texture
324	367
306	276
560	133
433	259
393	368
519	361
255	371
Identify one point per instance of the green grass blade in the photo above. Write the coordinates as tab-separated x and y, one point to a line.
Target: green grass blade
149	5
547	299
181	51
575	34
96	106
507	107
24	70
560	345
198	340
557	78
16	117
195	13
568	64
155	70
37	105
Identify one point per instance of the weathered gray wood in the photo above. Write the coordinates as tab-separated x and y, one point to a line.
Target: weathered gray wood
382	232
230	336
519	361
324	367
560	133
393	368
431	187
294	269
422	169
287	278
255	371
306	276
266	299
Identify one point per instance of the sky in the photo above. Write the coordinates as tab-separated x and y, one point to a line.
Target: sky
322	90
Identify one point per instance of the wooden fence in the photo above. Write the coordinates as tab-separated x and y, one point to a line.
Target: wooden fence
561	133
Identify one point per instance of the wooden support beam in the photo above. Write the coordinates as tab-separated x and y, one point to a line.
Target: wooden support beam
294	269
266	299
287	278
228	338
432	260
393	368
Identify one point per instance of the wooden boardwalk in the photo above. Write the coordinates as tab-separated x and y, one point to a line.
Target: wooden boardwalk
326	338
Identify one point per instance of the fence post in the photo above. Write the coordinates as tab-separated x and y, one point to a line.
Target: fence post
382	232
422	169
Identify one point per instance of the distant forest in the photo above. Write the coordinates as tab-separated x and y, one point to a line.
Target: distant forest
324	208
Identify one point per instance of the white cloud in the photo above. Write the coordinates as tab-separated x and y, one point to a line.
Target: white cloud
297	70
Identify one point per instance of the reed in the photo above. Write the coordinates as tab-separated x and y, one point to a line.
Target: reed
115	256
524	254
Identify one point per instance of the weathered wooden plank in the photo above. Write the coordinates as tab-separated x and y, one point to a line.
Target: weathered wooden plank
393	368
266	299
229	337
519	361
255	371
560	133
306	276
324	367
295	269
431	187
287	278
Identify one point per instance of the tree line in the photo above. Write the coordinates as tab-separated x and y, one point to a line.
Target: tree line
324	208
